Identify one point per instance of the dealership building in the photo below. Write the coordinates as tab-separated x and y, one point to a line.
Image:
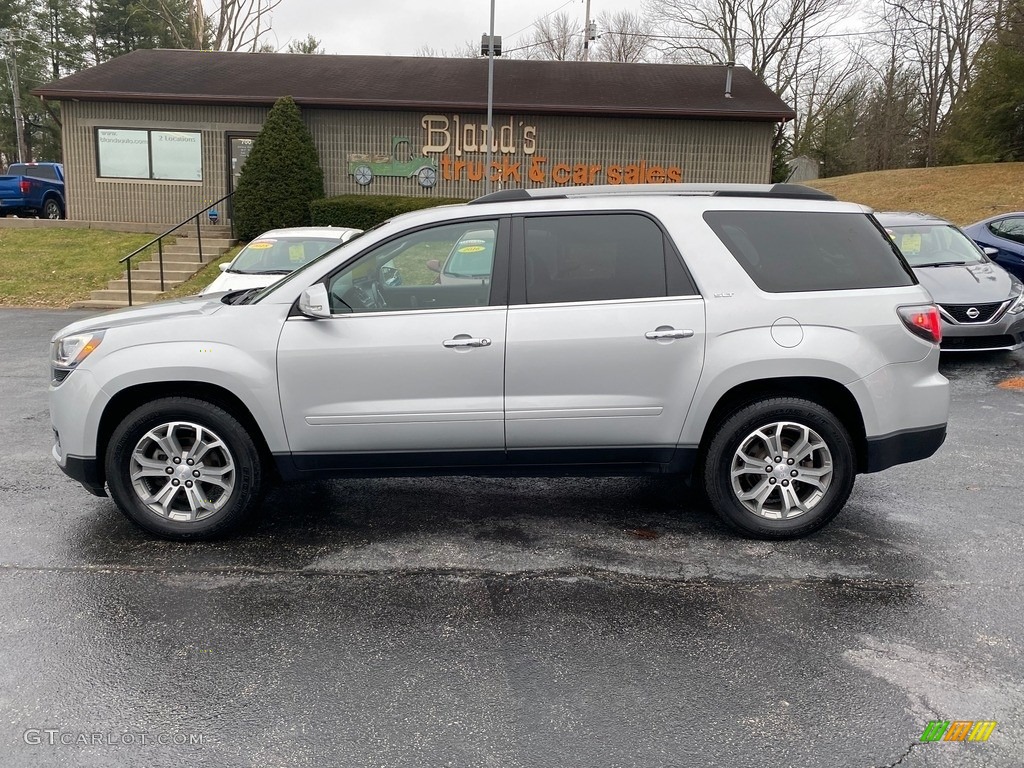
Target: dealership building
156	135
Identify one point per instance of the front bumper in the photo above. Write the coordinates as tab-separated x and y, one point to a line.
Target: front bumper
1006	333
84	469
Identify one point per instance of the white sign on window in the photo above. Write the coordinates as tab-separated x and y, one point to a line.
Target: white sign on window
177	155
123	154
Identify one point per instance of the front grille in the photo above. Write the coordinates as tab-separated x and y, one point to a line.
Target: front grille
977	342
959	311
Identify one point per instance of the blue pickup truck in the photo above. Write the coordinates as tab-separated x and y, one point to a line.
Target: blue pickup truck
33	189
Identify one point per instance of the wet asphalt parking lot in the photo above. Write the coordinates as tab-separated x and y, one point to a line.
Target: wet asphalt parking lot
492	622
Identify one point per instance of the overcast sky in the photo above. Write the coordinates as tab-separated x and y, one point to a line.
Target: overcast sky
402	27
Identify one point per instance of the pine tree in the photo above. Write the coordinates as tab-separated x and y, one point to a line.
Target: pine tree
281	177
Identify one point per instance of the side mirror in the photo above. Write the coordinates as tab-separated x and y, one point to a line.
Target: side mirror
990	251
434	265
224	266
314	302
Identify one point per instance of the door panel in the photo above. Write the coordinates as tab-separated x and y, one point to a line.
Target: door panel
386	382
586	375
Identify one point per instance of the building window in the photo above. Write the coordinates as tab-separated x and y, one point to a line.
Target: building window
149	154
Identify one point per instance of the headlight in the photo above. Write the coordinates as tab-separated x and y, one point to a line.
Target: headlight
1018	303
69	351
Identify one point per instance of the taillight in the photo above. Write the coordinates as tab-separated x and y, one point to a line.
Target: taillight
923	321
26	187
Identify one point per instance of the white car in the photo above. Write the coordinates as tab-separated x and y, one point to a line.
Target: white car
277	253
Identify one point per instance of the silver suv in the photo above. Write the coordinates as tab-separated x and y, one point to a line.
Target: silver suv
766	342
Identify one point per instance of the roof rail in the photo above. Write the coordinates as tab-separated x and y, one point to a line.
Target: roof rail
790	191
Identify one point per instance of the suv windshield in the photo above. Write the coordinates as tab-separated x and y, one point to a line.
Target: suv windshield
934	245
274	255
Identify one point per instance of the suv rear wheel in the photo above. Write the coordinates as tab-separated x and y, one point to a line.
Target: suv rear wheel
183	468
779	468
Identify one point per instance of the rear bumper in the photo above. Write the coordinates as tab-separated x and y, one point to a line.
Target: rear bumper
903	447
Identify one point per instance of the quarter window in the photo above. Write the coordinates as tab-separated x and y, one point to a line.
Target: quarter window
788	251
593	257
438	268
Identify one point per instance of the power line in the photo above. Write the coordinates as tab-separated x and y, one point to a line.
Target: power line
535	21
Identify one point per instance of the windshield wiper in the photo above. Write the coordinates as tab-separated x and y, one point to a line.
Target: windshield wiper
943	264
272	272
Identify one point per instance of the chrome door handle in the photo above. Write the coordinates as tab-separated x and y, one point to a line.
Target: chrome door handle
466	342
669	333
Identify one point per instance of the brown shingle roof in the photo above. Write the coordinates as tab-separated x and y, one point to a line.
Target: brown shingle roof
403	82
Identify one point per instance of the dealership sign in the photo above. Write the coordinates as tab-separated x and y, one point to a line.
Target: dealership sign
461	148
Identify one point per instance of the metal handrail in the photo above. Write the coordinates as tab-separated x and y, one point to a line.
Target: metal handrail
159	240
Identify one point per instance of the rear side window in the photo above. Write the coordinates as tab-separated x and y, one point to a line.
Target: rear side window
597	257
790	251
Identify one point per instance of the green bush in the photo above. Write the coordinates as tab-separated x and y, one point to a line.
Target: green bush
281	177
365	211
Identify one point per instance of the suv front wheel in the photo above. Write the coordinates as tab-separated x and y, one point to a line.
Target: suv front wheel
779	468
183	468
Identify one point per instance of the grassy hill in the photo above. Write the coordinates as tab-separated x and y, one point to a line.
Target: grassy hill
961	193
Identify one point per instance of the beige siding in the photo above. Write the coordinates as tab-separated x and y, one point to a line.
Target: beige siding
604	150
91	198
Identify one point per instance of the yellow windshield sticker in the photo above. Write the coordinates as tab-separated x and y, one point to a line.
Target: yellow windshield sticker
911	244
471	249
260	246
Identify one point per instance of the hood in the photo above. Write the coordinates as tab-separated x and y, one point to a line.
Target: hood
968	284
190	306
232	281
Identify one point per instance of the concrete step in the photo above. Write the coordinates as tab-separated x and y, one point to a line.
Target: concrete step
170	266
192	244
143	285
115	295
170	279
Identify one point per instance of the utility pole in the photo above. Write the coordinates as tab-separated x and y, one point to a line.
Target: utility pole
586	34
11	60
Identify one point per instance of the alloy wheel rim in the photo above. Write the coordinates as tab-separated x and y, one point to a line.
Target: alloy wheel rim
182	471
781	470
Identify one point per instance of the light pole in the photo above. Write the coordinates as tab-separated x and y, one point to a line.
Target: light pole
490	103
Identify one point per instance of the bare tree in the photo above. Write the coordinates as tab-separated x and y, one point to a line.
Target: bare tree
556	38
624	36
938	40
766	35
220	25
466	51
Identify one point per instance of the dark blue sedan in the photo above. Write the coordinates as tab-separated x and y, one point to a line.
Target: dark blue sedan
1004	233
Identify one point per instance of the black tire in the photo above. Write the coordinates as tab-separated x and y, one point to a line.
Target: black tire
233	454
739	429
52	210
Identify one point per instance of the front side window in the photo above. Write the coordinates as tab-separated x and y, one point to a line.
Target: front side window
1011	228
149	154
593	257
444	267
791	251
